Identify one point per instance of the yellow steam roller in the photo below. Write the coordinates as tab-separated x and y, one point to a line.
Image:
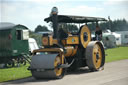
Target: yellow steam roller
67	50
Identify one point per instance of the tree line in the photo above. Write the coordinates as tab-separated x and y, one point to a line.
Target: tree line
116	25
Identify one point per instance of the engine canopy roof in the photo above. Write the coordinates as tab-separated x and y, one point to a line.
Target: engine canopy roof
75	19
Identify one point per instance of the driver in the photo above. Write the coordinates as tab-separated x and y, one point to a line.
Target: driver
98	33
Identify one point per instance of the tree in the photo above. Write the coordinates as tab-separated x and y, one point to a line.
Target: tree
40	28
116	25
37	37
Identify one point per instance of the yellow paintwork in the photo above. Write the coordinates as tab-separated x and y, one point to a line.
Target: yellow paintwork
97	62
49	41
55	41
59	50
70	51
83	30
71	40
74	51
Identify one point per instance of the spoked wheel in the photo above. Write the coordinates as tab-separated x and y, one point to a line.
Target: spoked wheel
22	61
95	56
10	63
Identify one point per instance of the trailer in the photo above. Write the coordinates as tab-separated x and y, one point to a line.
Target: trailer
124	37
109	40
13	43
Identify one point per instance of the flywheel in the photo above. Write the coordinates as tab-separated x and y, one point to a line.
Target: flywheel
84	36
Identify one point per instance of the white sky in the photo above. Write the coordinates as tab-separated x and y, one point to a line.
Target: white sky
32	12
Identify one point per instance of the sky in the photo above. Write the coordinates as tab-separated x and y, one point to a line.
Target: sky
32	12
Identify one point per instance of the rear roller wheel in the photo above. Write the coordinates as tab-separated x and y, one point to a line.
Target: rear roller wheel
95	56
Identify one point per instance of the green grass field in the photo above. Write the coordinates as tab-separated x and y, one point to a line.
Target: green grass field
14	73
113	54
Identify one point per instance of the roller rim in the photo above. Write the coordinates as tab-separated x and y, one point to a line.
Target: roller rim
95	62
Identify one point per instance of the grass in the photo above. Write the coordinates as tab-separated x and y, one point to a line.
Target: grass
113	54
14	73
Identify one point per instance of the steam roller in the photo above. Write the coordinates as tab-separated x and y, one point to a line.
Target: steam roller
64	50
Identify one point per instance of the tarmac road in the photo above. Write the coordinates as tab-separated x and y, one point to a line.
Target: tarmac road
115	73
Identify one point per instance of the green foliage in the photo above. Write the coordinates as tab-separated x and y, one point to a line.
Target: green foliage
37	37
116	25
40	28
119	25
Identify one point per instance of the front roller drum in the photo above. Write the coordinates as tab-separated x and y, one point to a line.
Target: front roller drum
95	56
48	67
